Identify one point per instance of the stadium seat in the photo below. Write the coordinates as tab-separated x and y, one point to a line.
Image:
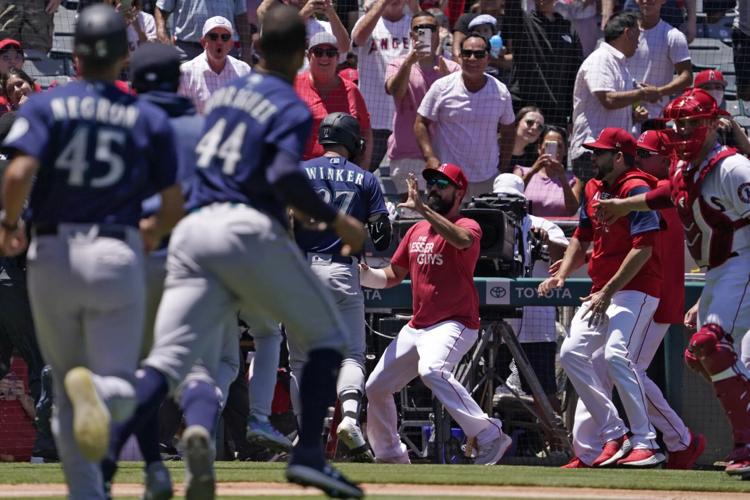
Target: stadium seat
707	53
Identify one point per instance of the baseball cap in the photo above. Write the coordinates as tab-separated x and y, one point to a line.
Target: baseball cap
155	66
482	19
508	184
217	22
614	138
709	75
450	171
10	43
653	140
323	38
694	103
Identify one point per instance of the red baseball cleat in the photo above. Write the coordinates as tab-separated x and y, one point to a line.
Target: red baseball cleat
575	463
613	451
642	457
685	459
739	462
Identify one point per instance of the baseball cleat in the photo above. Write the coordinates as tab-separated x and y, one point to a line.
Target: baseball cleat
613	451
199	468
90	415
157	481
350	434
492	452
739	462
327	479
642	457
685	459
263	433
576	463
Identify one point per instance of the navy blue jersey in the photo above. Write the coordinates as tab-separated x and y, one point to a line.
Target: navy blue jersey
248	122
100	151
348	188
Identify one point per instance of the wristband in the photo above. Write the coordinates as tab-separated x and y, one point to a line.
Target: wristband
373	278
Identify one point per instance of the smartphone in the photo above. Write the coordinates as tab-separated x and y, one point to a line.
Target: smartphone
550	148
126	5
424	39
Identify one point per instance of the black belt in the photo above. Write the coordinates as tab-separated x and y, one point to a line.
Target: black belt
338	259
105	230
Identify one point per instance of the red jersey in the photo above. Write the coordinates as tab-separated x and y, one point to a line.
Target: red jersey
345	98
614	241
442	276
671	243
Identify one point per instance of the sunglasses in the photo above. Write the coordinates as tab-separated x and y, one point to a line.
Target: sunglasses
478	54
644	154
418	27
440	183
318	52
225	37
530	123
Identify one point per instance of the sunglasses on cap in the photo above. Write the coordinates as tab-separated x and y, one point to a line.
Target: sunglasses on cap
440	183
225	37
418	27
318	52
478	54
645	154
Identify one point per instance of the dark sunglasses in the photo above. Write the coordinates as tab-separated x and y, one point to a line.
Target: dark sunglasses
440	183
531	123
418	27
225	37
644	154
318	52
478	54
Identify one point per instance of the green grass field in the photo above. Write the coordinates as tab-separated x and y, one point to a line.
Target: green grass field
706	481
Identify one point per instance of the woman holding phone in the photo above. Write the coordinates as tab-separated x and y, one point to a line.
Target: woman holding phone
552	191
141	25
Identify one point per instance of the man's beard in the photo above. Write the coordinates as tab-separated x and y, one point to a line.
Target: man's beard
439	205
603	171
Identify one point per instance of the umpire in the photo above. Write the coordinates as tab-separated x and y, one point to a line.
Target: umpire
349	188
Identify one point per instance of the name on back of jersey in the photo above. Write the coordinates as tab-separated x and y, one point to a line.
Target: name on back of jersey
99	109
321	173
251	102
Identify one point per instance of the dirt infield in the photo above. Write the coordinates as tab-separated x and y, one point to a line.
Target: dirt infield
416	490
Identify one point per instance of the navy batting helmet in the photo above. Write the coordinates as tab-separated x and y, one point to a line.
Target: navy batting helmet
342	128
101	34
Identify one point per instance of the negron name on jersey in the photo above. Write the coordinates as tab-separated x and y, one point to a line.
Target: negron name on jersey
94	108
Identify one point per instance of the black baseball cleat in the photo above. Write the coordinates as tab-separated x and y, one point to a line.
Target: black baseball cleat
325	478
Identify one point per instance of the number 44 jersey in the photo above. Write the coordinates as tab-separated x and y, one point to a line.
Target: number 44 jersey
346	187
100	151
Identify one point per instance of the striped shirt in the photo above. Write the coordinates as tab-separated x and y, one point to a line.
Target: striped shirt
199	81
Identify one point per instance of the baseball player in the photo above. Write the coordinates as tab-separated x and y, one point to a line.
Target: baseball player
709	184
96	153
684	447
609	328
232	252
440	254
341	183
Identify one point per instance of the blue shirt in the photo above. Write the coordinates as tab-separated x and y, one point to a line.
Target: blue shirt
248	122
101	152
346	187
189	16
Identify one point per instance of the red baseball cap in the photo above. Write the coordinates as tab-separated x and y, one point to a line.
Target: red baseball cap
614	138
450	171
694	103
9	42
653	140
709	75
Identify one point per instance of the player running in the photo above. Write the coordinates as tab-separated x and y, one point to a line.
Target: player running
92	153
440	253
709	184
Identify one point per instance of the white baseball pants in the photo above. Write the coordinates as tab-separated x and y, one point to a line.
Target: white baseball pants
430	353
592	355
587	441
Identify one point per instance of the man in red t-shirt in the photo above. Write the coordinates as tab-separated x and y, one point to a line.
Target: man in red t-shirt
439	253
609	328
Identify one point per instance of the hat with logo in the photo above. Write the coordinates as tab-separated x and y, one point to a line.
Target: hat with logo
508	184
323	38
449	171
653	141
217	22
155	66
612	138
707	76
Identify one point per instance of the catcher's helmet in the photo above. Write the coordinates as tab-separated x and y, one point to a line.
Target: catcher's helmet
100	34
342	128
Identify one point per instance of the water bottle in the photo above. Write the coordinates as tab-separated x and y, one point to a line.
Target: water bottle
496	45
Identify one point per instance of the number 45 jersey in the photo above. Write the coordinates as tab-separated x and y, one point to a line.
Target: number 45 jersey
346	187
101	152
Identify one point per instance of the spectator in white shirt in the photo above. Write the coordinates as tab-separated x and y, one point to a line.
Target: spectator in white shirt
460	116
379	37
141	25
662	58
605	92
214	68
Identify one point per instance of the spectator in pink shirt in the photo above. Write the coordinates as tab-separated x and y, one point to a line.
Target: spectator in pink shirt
552	191
407	80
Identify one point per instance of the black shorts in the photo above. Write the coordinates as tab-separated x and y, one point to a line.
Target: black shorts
741	46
